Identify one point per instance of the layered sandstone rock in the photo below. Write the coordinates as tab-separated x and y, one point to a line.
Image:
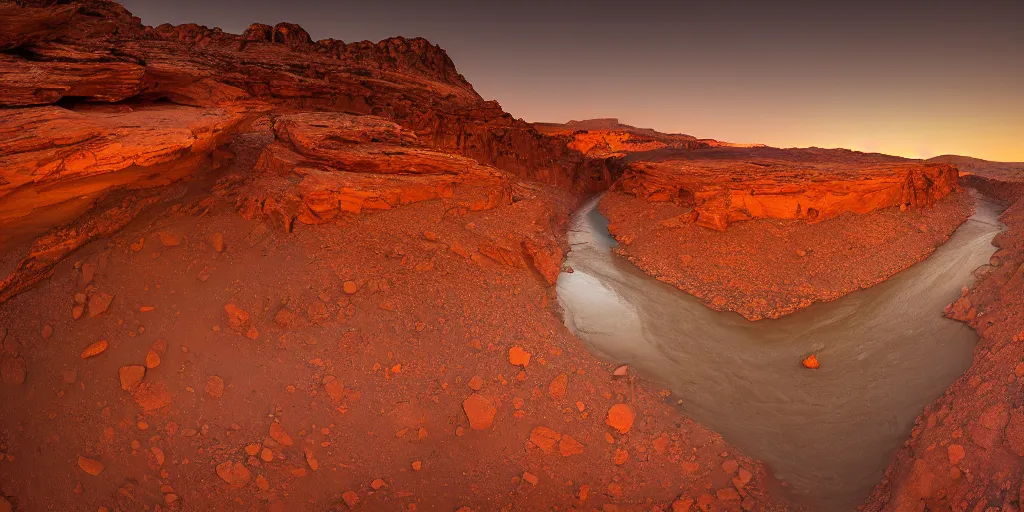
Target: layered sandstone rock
323	164
607	138
49	155
96	51
64	147
723	186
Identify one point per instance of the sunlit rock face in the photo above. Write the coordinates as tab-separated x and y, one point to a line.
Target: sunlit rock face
726	185
346	163
95	51
98	103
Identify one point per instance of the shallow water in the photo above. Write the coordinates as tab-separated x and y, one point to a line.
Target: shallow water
886	352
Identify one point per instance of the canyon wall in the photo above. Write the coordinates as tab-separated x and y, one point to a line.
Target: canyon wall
965	451
726	185
99	110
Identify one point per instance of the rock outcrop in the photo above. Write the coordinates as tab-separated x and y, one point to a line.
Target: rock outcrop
727	185
323	164
96	51
50	154
96	102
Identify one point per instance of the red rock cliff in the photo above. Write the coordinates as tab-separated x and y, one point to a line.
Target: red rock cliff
725	185
96	51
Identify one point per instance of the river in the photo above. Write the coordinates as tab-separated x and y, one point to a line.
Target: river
886	352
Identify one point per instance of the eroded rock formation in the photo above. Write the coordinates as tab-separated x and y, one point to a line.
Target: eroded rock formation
99	102
347	163
727	185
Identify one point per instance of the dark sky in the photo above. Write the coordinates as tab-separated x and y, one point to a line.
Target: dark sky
913	78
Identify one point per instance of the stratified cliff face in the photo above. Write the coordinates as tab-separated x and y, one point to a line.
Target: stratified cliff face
727	185
95	101
96	51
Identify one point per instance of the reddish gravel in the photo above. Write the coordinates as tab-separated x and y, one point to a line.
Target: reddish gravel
379	362
766	268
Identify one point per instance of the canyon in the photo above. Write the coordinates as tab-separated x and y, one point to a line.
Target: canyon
260	272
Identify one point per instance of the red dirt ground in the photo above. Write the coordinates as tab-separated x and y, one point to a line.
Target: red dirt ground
766	268
370	386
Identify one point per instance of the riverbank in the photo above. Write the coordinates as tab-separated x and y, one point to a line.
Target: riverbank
826	434
965	451
767	268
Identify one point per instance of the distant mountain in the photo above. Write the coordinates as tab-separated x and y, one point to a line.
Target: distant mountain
968	163
609	124
608	137
1013	171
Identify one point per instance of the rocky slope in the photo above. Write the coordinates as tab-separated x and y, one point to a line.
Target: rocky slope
966	449
258	272
179	93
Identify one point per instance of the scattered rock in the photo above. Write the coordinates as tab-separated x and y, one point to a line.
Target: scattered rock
47	332
238	318
518	357
480	411
155	353
545	438
335	389
350	287
131	376
158	455
99	303
568	446
311	459
285	318
262	483
234	473
169	239
215	387
811	362
557	387
476	383
620	417
152	396
621	371
682	505
94	349
351	499
217	241
530	478
620	456
277	433
956	453
91	466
